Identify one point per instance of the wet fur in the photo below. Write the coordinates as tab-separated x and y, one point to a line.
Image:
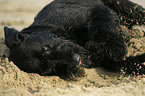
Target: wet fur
68	35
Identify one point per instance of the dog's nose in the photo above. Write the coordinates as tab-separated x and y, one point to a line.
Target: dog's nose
76	57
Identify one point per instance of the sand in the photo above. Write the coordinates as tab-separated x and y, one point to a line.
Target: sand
96	82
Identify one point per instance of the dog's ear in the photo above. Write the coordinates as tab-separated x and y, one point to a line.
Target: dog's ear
12	37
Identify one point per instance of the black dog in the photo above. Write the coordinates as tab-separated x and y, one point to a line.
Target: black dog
70	34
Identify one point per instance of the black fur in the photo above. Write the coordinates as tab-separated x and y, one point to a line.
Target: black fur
68	35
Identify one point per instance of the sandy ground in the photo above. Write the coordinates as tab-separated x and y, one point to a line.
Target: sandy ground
97	82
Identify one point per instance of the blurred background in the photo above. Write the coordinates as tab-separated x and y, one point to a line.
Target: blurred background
19	13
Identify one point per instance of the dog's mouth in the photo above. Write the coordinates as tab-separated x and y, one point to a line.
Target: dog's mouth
57	62
63	60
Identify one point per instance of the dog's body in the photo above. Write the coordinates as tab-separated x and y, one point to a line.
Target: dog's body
69	34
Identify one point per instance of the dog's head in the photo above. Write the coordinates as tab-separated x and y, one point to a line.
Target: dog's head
43	52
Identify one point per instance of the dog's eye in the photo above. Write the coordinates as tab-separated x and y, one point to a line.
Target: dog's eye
46	48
